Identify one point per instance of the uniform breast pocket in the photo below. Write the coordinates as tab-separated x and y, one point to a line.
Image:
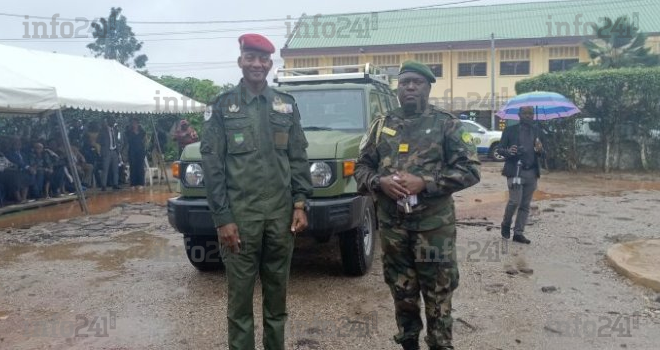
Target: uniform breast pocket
240	135
281	126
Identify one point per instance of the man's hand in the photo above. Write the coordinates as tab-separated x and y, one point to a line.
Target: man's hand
414	184
392	188
299	222
538	146
513	150
228	236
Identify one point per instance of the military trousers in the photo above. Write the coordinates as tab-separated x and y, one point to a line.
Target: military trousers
520	199
423	262
266	249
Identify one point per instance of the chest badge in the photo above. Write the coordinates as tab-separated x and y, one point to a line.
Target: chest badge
388	131
281	107
233	108
403	148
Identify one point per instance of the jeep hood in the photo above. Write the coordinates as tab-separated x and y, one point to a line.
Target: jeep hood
327	144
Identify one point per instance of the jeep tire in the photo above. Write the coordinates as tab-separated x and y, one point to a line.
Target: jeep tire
493	154
357	245
203	252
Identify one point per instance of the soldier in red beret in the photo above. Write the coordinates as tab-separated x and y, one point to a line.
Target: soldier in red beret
257	181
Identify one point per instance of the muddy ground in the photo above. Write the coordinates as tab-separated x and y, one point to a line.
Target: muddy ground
120	280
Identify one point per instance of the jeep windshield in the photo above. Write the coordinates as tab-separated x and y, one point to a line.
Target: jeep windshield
331	109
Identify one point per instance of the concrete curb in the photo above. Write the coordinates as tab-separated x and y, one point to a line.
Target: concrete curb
637	260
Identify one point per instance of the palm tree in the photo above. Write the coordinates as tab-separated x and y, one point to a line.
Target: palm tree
618	44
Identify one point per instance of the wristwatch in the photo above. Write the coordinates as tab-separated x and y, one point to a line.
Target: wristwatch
301	205
375	183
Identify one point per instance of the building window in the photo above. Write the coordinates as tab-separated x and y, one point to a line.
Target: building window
345	61
433	60
389	63
514	62
565	52
472	63
563	58
386	60
514	68
436	69
306	63
564	64
472	69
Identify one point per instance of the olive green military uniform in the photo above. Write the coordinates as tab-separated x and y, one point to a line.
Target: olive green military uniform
255	164
419	248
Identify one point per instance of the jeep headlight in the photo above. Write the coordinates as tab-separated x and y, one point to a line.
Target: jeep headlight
321	174
194	175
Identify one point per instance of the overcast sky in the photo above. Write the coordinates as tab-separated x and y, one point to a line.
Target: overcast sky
207	50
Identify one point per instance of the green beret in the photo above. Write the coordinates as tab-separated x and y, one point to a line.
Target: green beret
419	68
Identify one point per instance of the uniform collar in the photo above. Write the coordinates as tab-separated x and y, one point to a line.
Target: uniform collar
248	96
401	115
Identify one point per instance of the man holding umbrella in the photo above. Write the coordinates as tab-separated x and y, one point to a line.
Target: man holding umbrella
521	146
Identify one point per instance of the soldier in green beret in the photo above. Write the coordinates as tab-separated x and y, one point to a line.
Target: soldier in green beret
413	159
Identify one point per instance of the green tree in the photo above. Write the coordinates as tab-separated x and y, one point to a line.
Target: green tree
115	40
201	90
618	44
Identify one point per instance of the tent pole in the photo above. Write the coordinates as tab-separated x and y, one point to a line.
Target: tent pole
72	164
161	159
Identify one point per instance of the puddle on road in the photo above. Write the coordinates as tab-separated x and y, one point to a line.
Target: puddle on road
139	245
96	203
565	188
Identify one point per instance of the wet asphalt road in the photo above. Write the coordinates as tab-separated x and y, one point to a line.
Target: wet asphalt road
120	279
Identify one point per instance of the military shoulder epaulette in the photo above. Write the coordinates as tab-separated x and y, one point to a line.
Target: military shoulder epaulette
221	95
280	92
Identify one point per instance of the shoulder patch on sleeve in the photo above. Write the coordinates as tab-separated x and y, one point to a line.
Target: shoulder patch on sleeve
467	137
208	112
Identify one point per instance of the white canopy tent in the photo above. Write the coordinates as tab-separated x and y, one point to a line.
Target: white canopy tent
34	82
95	84
21	95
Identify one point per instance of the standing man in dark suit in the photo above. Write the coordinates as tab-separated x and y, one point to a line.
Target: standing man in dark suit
521	146
109	154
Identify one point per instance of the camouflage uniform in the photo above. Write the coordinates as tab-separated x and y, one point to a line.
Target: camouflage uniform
419	248
255	164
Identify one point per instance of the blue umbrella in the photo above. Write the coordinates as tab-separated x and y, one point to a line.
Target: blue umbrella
547	105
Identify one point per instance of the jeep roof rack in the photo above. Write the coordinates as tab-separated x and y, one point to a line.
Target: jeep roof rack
357	73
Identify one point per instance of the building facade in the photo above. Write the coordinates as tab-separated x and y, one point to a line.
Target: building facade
458	43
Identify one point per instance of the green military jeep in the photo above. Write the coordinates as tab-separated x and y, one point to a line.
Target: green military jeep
336	110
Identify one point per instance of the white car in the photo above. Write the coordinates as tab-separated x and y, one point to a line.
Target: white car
485	140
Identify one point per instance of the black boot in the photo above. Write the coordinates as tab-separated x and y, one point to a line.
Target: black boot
521	239
410	344
506	232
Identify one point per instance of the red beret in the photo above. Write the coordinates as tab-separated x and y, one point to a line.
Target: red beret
256	42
